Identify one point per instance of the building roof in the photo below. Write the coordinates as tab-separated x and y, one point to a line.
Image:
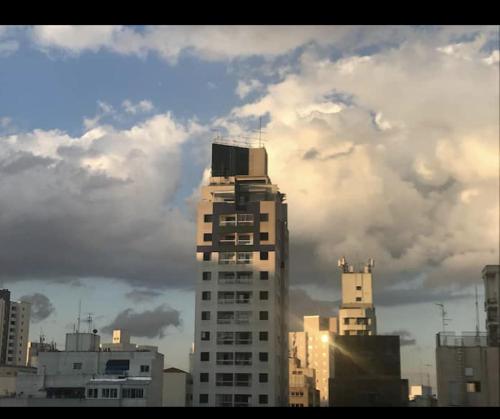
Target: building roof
172	369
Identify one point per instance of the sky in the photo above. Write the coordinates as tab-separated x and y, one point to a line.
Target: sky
385	140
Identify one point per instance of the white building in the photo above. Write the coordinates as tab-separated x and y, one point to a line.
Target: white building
241	332
491	278
14	330
357	312
93	378
177	388
314	348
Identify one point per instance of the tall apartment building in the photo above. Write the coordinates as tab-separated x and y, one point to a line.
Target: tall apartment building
241	335
491	279
357	312
14	330
314	348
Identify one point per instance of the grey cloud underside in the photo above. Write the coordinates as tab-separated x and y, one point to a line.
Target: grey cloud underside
405	337
139	296
149	324
41	307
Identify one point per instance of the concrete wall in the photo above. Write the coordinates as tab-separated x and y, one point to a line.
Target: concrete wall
175	389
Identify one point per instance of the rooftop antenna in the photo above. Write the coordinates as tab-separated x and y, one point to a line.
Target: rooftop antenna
79	313
89	321
428	375
443	316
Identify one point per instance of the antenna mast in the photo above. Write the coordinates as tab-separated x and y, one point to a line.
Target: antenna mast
79	313
443	316
477	317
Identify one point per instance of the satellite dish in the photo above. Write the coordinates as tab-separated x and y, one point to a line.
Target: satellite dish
94	331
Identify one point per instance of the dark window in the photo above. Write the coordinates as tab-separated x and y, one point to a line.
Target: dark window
206	256
203	398
262	378
358	288
263	315
264	236
263	336
262	398
205	335
205	295
358	298
207	237
204	377
204	356
205	315
263	356
144	368
117	366
92	393
207	276
264	255
207	218
346	320
77	365
264	275
264	295
264	217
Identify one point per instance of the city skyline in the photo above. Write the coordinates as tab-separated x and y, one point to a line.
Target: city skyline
385	140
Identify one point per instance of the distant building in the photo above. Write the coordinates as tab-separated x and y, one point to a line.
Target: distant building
357	312
177	388
91	378
302	385
367	372
8	378
421	396
491	278
241	316
467	370
14	330
314	348
121	342
34	348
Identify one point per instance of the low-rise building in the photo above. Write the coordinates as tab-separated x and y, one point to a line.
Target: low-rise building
8	378
421	396
302	385
177	388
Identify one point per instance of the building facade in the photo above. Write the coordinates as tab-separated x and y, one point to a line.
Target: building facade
491	280
14	330
241	336
302	385
314	348
357	312
177	388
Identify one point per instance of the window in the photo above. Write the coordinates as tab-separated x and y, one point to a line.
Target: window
109	393
263	315
205	315
207	237
358	298
226	258
264	217
263	336
264	275
225	317
243	358
358	288
264	255
242	380
203	398
207	276
224	400
241	400
245	219
92	393
207	218
244	257
227	220
225	358
263	295
204	356
204	377
473	387
264	236
262	378
245	239
469	372
205	295
144	368
206	255
132	393
225	338
243	338
205	335
224	380
262	398
263	356
77	365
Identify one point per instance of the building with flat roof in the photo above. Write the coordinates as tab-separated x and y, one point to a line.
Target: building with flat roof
177	388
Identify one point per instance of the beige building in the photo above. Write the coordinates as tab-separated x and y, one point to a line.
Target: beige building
314	348
357	312
241	332
491	279
8	378
14	330
177	388
302	385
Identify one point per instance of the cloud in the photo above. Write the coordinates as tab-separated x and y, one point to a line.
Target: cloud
150	324
139	296
143	106
244	88
99	205
405	337
405	170
302	304
41	307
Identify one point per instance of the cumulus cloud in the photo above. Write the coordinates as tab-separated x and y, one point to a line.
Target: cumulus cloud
139	296
302	304
244	88
405	337
150	324
99	205
142	106
41	307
